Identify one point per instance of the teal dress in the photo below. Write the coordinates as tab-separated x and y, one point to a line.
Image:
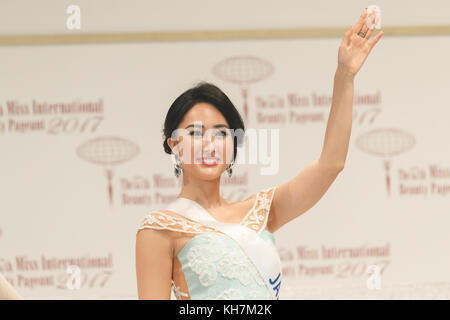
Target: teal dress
214	265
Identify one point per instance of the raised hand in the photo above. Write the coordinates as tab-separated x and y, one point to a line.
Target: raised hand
355	46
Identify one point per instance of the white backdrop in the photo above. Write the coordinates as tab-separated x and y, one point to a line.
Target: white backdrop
75	184
49	16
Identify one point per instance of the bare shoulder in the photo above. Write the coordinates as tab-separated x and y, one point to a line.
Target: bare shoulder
152	234
160	240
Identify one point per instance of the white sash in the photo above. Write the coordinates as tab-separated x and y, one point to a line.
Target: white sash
263	255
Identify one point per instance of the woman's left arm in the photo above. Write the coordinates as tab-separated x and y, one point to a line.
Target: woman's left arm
296	196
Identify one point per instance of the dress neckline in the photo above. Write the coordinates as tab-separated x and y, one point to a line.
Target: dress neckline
243	219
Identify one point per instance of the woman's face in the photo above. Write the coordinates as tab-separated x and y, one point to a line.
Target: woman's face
205	144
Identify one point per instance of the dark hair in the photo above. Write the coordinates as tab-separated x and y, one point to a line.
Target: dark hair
209	93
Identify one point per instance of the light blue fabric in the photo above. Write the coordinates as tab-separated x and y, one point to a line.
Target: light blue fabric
215	267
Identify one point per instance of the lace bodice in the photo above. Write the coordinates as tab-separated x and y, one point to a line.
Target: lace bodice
210	264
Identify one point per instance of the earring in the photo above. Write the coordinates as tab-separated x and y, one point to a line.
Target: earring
230	170
177	163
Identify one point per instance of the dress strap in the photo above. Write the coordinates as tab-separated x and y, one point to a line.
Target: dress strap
163	221
256	218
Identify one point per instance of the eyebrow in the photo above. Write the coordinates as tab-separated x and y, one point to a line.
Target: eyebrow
201	126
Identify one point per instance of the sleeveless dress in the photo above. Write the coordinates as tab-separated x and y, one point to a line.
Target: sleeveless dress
211	265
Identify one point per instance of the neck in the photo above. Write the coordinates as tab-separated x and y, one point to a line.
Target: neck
205	193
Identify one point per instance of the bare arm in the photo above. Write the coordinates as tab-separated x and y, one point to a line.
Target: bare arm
153	264
293	198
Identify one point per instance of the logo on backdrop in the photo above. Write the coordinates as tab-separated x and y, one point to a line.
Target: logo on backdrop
386	143
243	70
108	152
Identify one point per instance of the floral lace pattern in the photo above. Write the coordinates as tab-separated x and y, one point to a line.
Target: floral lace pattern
160	221
212	258
256	219
202	259
216	258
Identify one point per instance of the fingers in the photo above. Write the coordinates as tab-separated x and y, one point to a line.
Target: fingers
361	25
360	21
348	36
374	41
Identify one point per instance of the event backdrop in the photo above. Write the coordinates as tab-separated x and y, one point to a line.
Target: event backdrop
82	160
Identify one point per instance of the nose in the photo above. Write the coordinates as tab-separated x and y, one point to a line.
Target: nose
208	150
208	146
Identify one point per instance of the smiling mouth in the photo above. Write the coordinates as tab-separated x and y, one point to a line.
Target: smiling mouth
209	161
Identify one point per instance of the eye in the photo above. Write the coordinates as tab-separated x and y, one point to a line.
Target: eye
195	133
221	133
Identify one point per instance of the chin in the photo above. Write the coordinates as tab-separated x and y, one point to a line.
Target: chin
209	173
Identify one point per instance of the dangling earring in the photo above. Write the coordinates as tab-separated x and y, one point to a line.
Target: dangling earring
230	170
177	163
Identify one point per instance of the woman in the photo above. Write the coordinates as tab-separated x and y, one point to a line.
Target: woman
196	246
